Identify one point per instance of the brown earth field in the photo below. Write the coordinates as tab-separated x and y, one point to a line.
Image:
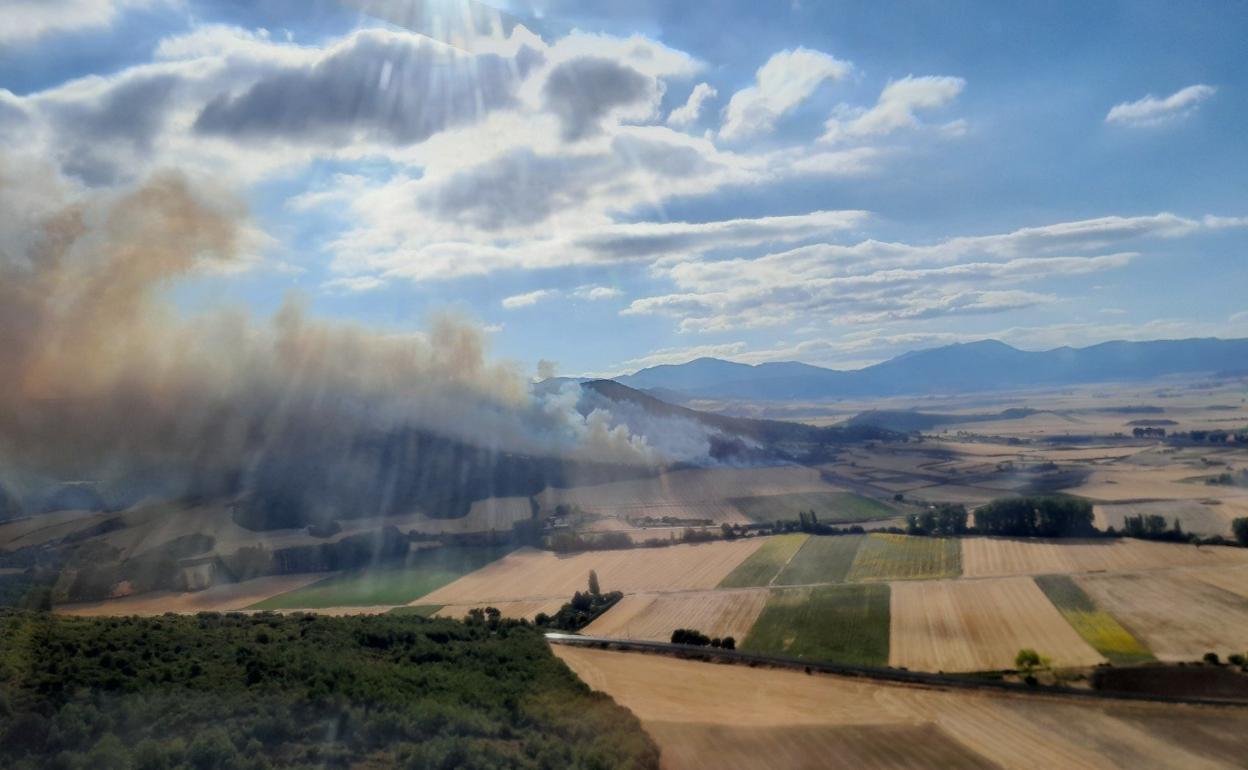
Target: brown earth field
734	717
654	617
528	574
978	625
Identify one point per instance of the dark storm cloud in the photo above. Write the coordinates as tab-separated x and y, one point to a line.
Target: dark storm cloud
517	189
397	90
582	91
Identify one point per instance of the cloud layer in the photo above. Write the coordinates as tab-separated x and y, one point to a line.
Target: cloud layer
1152	111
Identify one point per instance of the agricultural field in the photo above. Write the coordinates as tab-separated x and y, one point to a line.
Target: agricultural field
900	557
824	559
1177	616
1097	627
803	719
654	617
1233	579
830	507
762	566
221	598
995	557
978	625
688	493
424	571
1195	516
47	527
809	747
517	610
843	623
529	574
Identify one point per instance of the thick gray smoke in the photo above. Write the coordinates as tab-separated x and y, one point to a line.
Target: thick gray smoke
103	379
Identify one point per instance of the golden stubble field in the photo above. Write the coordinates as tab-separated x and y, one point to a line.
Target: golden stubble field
529	574
978	625
735	717
999	557
518	610
1178	615
654	617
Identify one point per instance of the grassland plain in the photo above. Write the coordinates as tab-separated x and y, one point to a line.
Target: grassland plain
763	565
825	559
425	571
843	623
1097	627
830	507
1008	731
884	556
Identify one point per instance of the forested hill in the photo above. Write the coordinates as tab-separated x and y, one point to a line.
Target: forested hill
219	692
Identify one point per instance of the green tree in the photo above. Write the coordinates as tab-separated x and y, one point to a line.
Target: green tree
1240	528
593	583
1028	660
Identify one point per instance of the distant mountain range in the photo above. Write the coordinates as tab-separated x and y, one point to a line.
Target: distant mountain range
960	368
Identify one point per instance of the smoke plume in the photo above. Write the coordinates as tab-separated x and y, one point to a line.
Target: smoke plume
104	379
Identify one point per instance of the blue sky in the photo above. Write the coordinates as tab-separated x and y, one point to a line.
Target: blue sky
610	185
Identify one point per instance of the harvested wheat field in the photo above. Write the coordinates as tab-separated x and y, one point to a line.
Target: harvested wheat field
232	596
1164	483
1233	579
517	610
653	617
979	625
1177	616
996	557
529	574
681	702
1195	515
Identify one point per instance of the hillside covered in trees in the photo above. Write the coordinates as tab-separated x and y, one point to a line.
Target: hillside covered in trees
262	691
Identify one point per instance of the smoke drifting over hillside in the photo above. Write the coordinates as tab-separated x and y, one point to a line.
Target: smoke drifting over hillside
104	380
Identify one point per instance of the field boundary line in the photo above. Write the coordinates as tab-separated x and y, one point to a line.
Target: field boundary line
896	676
787	561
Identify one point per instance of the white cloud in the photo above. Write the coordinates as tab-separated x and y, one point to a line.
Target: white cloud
785	81
596	293
529	299
25	21
895	108
874	282
687	114
1151	111
358	283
